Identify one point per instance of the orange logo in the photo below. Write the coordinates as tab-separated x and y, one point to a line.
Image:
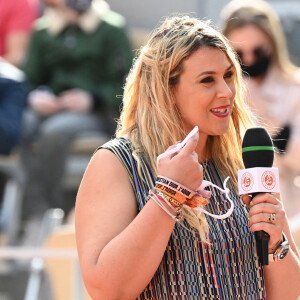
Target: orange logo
247	181
268	180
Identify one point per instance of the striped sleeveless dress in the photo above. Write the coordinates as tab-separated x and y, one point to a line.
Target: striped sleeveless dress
227	268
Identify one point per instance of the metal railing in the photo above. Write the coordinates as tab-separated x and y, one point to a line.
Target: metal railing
37	257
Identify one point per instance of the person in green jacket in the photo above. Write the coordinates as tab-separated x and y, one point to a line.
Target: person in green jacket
77	61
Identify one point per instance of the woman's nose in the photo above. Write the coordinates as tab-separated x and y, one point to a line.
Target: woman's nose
226	90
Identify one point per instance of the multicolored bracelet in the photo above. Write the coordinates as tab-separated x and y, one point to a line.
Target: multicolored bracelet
169	200
181	189
162	202
170	192
177	194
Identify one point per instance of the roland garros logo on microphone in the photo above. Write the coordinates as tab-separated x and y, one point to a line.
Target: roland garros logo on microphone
247	181
268	180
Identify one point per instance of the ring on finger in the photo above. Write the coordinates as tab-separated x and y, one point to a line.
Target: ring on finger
272	218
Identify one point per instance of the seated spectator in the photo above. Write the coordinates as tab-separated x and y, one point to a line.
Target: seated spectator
77	61
16	23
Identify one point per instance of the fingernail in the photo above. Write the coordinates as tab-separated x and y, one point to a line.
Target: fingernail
251	204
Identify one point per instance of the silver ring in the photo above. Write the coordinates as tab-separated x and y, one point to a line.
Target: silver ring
272	218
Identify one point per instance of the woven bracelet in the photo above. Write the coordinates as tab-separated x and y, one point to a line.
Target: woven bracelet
183	190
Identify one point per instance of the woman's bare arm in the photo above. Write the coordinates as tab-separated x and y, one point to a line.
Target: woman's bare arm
119	251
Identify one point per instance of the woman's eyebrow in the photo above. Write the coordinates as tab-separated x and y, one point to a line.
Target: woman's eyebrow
212	72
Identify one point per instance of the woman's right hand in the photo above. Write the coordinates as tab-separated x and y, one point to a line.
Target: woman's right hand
183	167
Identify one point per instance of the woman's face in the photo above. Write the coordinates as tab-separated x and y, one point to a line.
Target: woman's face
250	42
205	92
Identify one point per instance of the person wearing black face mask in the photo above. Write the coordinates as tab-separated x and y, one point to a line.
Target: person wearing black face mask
79	6
261	64
273	83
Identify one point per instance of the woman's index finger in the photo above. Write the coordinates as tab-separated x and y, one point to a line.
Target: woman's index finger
191	144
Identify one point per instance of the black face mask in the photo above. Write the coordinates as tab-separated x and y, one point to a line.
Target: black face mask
80	6
260	66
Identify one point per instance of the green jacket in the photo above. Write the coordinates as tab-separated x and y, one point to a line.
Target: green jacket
97	62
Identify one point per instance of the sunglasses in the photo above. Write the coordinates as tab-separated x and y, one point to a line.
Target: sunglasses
258	52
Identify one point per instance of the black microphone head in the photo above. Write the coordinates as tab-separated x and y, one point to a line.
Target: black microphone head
258	149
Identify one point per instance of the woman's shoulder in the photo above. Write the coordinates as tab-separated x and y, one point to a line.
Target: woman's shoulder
111	156
117	144
119	148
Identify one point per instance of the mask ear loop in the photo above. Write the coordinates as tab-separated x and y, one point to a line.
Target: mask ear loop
226	191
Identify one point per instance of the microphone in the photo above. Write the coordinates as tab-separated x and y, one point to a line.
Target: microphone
258	152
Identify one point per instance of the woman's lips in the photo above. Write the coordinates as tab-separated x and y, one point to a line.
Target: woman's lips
220	112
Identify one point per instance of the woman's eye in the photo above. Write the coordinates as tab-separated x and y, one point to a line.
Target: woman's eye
207	79
229	74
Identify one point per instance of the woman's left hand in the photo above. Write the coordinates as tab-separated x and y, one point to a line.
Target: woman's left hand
266	213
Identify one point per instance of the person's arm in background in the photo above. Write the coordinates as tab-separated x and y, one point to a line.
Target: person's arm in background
34	67
19	27
40	97
12	102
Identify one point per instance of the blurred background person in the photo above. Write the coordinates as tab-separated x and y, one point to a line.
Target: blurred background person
16	23
77	61
273	84
12	104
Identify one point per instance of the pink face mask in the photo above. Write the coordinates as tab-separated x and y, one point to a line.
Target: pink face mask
207	194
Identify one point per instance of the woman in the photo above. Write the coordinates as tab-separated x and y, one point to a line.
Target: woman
130	240
273	84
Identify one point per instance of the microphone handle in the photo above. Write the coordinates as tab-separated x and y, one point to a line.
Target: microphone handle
262	244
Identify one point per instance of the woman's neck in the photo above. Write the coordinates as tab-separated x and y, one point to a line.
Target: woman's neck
201	148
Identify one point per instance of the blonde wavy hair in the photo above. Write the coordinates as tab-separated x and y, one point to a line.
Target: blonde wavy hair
239	13
151	119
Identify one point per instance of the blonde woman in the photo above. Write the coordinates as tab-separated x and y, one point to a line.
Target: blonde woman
273	83
134	239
